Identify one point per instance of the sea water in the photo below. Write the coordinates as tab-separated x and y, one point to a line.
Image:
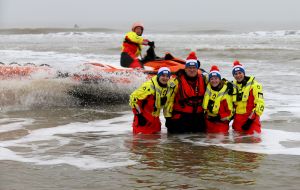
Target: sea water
49	140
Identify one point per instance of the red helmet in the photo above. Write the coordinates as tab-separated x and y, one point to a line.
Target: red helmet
137	24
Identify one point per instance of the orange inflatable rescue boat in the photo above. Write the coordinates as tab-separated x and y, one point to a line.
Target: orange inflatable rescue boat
92	71
26	71
97	72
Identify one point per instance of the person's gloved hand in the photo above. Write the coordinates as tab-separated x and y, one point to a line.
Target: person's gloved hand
214	119
247	125
151	44
142	121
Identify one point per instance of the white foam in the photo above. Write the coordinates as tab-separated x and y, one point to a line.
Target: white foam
39	142
71	50
65	62
108	141
20	94
12	124
84	162
279	102
278	33
271	142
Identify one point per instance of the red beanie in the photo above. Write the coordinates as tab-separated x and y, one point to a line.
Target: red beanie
191	60
214	71
192	55
237	67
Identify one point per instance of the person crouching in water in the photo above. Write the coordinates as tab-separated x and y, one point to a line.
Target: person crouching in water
147	101
132	47
185	112
248	101
217	103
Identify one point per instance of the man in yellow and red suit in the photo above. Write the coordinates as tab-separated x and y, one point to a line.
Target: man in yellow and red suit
185	105
217	103
148	100
248	101
132	47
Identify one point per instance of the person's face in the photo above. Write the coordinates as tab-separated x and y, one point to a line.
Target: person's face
164	78
138	30
239	76
191	71
214	81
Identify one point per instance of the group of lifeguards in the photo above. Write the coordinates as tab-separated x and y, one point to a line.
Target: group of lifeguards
191	101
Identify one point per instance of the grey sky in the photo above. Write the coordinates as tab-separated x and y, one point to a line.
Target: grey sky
279	14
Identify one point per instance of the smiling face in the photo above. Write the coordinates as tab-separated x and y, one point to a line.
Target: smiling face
191	71
164	78
239	76
138	30
214	81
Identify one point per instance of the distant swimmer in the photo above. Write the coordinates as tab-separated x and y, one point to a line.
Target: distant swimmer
132	47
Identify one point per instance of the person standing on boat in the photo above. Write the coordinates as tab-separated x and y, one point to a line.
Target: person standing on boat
132	47
217	103
185	112
248	101
148	100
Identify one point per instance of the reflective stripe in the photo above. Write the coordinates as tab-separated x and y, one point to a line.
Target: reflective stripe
150	87
222	93
159	92
245	90
132	44
207	92
242	104
215	96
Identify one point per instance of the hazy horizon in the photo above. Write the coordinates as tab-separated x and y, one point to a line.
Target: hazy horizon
155	14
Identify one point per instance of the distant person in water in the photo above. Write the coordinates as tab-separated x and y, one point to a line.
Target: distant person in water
248	101
148	100
132	47
217	103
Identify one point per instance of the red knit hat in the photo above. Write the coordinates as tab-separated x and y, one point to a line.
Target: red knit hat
214	71
191	60
237	67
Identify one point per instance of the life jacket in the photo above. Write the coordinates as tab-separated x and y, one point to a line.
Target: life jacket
148	97
212	102
249	97
132	44
188	99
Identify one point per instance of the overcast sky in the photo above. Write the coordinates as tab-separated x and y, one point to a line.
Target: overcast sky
281	14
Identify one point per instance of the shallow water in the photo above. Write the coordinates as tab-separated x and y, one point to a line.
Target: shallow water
88	148
50	139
